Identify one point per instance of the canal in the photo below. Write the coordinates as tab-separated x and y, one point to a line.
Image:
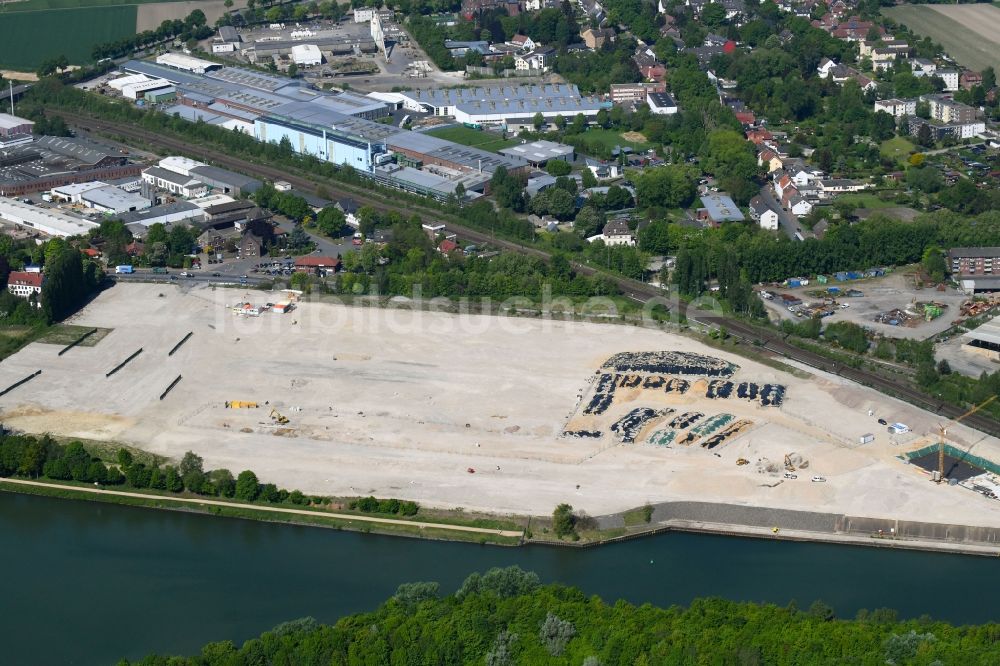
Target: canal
89	583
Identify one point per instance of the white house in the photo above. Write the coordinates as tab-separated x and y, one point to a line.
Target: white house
799	206
173	182
763	214
24	284
897	108
616	232
923	67
825	67
661	103
950	78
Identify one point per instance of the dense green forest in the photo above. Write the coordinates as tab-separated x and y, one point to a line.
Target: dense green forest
506	617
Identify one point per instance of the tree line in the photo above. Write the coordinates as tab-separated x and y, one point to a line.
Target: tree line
506	616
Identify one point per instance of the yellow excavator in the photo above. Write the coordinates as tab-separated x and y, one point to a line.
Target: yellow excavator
278	418
240	404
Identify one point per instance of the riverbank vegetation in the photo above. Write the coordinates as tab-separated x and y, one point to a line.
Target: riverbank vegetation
506	617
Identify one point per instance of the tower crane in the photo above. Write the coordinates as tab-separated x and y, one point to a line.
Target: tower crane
944	431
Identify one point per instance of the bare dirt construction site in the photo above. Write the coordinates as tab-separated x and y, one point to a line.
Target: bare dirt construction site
499	414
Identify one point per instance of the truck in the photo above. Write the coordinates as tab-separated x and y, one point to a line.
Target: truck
160	270
124	270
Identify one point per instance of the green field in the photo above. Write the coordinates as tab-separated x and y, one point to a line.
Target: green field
38	5
612	138
970	47
473	137
864	200
29	38
897	148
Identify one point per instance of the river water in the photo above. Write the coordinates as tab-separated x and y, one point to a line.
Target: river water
89	583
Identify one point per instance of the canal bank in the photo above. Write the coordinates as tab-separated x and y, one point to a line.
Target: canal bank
119	581
678	516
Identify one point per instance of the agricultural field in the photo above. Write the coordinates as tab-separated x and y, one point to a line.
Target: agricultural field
473	137
72	27
969	33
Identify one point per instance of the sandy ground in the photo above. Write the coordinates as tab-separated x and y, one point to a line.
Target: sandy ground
13	75
397	403
150	16
895	290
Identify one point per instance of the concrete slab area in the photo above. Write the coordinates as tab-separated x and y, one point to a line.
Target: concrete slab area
399	403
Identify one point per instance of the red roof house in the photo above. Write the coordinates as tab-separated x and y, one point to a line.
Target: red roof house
447	246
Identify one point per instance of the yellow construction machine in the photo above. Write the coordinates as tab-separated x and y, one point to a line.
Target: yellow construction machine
241	404
278	418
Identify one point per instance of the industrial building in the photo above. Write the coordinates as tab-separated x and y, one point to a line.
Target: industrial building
984	339
334	127
14	131
719	208
306	55
110	199
186	63
167	214
140	86
501	105
662	104
44	220
52	161
537	153
227	182
173	182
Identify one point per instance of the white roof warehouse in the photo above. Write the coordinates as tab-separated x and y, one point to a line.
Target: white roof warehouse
44	220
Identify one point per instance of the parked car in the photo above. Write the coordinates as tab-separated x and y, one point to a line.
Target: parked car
789	475
819	479
883	422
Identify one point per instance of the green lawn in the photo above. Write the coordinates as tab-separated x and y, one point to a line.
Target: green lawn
28	38
972	50
864	200
473	137
898	148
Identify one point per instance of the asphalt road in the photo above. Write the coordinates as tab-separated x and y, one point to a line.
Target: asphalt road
788	222
763	339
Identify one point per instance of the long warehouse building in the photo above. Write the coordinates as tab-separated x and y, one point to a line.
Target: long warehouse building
44	220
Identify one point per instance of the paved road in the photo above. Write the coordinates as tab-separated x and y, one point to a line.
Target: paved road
788	222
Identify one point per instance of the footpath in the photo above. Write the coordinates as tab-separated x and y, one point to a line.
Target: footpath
268	509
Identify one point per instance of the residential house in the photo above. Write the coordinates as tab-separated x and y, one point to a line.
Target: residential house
950	78
969	79
595	38
447	246
350	208
768	159
538	60
825	67
897	108
882	58
251	245
616	232
26	284
321	266
761	212
758	135
922	67
841	185
947	110
522	42
799	205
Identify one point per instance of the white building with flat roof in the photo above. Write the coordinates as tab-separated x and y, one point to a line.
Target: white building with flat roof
306	55
44	220
181	165
74	191
186	63
110	199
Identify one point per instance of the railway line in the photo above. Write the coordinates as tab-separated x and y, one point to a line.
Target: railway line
768	341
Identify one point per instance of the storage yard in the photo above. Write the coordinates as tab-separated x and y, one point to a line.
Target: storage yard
357	401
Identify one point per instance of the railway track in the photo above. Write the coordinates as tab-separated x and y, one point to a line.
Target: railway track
638	291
